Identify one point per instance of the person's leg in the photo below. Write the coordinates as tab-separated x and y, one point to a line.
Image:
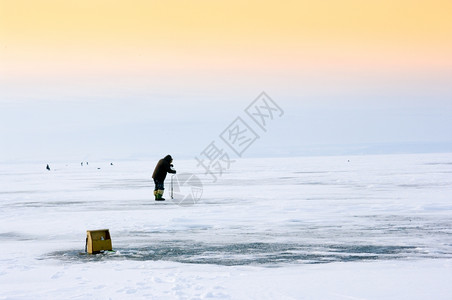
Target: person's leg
156	188
158	191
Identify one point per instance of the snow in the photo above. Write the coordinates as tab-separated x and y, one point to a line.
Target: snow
358	227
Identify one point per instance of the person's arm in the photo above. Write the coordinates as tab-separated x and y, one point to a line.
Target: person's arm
171	169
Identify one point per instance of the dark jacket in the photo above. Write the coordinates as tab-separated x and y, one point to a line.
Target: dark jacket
162	168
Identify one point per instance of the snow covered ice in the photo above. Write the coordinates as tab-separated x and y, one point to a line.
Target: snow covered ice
356	227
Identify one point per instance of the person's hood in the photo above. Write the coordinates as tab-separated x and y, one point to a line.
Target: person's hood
168	158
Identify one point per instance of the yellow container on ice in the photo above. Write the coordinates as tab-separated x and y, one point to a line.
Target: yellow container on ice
98	240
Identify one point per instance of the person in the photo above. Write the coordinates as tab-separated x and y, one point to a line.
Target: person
48	167
163	167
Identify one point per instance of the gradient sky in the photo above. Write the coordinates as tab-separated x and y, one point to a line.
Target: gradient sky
81	79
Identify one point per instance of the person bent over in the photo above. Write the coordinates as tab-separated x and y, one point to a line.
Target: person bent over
163	167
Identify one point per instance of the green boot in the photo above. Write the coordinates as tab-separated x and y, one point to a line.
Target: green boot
158	196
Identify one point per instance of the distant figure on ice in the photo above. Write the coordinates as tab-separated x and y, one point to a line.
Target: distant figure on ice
48	167
163	167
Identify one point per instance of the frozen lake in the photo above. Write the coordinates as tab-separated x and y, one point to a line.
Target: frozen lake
300	228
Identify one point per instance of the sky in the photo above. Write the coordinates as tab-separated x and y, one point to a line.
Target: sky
112	79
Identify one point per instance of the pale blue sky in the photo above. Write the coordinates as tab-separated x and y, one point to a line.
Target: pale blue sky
84	121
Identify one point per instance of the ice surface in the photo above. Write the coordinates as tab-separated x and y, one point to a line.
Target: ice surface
361	227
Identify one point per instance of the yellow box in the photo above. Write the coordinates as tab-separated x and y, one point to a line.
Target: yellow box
98	240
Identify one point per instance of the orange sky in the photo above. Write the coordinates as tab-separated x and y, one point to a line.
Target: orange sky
76	73
54	37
